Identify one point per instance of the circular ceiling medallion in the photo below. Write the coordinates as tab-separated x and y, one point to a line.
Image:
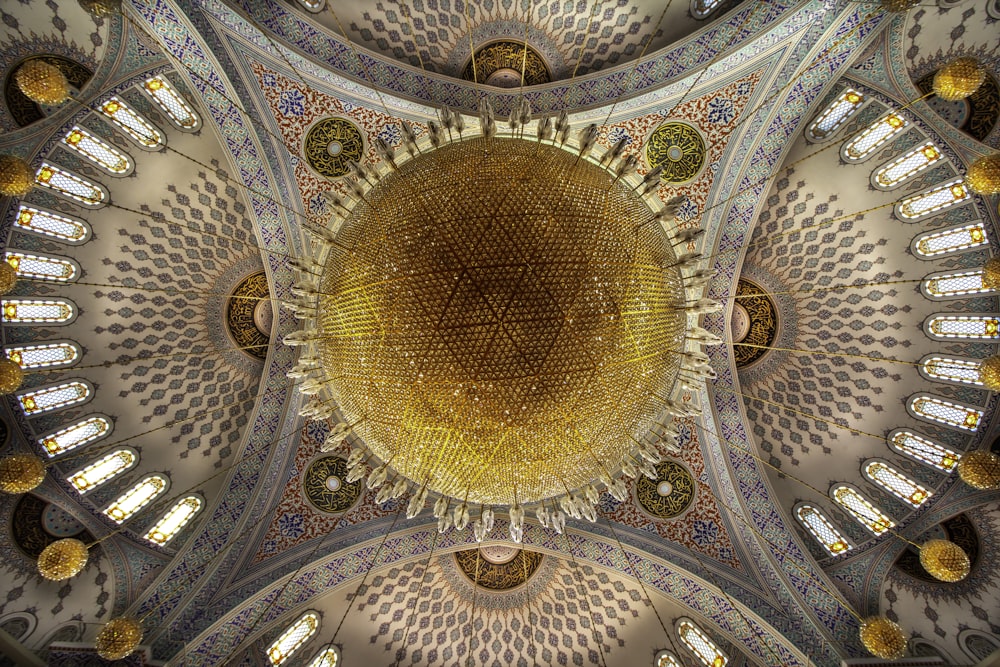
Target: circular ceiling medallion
325	485
754	325
331	144
514	571
670	494
249	315
499	64
480	324
40	523
679	149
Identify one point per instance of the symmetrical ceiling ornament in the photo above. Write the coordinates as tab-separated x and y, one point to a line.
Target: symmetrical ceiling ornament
670	494
500	320
331	145
754	323
499	567
249	315
325	485
501	63
678	149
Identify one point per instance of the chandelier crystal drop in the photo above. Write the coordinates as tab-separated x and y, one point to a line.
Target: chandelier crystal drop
118	638
983	176
944	560
958	79
62	559
42	82
499	319
980	469
883	638
16	177
20	473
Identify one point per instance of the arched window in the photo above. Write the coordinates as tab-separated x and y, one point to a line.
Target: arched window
952	285
933	200
869	139
951	240
174	520
896	483
103	469
168	99
29	311
53	397
925	451
48	355
297	634
836	114
950	369
700	644
945	412
906	166
861	509
79	434
699	8
136	498
40	267
963	326
822	530
97	151
46	223
313	5
141	130
663	659
69	184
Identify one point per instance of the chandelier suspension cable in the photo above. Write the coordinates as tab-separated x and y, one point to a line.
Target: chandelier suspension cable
417	594
581	588
371	565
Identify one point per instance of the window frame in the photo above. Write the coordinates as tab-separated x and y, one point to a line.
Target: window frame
894	133
161	138
954	275
79	200
829	524
842	98
940	467
52	387
163	516
33	209
685	621
886	522
990	320
95	416
923	370
171	86
969	227
893	470
73	312
87	133
55	259
289	630
105	480
937	209
923	395
132	489
900	159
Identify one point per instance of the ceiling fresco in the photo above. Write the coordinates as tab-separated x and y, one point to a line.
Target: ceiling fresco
177	314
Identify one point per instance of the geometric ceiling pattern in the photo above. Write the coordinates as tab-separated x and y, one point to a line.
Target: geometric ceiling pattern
220	207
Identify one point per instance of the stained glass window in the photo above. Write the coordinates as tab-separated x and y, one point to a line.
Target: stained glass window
167	97
103	469
176	518
69	184
700	8
951	240
822	530
861	509
878	133
134	125
48	355
49	311
947	285
58	226
897	483
297	634
907	166
97	151
663	659
963	326
53	397
136	498
330	657
700	644
43	268
836	114
925	451
77	435
946	412
933	200
952	370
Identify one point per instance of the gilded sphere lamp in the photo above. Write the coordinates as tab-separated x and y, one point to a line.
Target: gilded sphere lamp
958	79
20	473
42	82
883	638
983	176
16	177
944	560
62	559
118	638
980	469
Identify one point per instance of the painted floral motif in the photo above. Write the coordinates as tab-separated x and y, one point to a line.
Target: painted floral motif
705	532
291	102
720	110
390	134
290	525
616	134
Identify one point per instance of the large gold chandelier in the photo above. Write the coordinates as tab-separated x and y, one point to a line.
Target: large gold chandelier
500	319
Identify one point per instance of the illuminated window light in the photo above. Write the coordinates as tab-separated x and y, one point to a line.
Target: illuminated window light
97	151
835	114
946	412
934	200
297	634
925	451
102	470
947	285
897	483
40	267
174	520
55	397
330	657
49	311
136	498
46	223
951	240
77	435
49	355
138	128
700	644
964	326
171	102
862	510
822	530
69	184
872	137
907	166
950	369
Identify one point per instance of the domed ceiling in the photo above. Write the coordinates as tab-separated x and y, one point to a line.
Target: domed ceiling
174	283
